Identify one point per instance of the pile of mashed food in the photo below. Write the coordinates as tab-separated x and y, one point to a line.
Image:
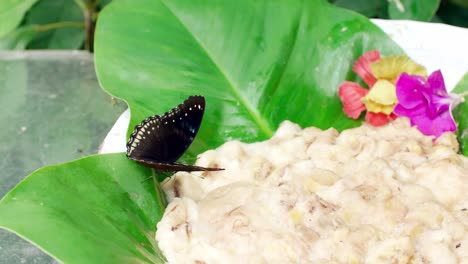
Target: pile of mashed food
366	195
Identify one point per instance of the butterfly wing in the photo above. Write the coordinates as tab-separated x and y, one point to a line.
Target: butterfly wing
164	139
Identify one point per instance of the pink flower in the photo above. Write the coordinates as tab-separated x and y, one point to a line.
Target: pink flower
426	103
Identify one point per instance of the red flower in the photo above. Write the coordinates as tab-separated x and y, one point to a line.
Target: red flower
362	66
380	74
379	119
351	93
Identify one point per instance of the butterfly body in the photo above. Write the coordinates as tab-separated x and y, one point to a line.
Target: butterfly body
159	141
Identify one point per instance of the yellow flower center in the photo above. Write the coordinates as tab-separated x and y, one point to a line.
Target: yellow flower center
390	68
381	98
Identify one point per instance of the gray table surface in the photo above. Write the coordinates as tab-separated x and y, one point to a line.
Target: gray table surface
52	111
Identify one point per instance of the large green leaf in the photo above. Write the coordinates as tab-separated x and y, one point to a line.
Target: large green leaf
59	14
460	114
422	10
257	62
11	14
99	209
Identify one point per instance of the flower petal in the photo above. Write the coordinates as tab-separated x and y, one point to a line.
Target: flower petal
422	120
400	110
437	84
436	95
390	68
351	94
381	98
409	90
437	126
362	66
377	119
436	104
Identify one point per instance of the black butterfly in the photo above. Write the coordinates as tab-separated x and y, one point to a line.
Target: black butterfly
159	141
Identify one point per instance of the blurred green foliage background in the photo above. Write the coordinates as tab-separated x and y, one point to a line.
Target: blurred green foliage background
70	24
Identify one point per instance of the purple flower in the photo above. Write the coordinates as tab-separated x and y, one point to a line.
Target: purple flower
426	103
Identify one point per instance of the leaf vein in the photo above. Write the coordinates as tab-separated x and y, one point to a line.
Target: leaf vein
253	112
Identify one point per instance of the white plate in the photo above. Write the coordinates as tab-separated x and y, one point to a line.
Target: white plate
435	46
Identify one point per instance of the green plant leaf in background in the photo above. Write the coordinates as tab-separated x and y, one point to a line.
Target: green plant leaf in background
11	14
102	3
99	209
462	3
257	62
460	114
422	10
454	12
369	8
63	20
19	38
